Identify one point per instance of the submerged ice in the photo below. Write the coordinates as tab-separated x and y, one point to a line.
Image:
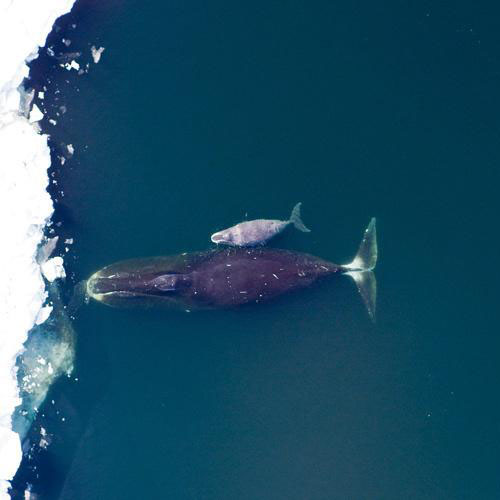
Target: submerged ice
49	353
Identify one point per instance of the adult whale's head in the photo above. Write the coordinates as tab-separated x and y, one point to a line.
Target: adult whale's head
143	282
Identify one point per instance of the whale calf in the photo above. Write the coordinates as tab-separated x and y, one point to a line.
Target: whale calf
227	278
257	232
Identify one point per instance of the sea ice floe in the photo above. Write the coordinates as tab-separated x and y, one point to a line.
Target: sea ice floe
96	53
43	314
44	441
10	457
53	268
70	65
25	101
36	115
24	203
47	249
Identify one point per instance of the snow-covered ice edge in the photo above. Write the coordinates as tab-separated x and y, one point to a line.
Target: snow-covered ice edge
25	206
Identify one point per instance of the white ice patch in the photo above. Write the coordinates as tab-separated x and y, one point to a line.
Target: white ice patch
43	315
44	440
25	204
36	115
10	457
71	65
53	269
96	53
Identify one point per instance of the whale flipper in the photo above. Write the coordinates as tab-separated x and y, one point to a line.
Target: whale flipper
166	283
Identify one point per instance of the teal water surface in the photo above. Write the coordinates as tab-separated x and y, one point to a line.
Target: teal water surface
200	115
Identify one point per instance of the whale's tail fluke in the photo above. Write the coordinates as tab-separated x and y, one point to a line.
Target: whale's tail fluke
362	266
296	219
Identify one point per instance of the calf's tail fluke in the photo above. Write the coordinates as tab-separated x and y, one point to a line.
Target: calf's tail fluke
296	219
362	266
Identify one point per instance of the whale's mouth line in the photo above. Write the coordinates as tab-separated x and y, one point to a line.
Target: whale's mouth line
128	293
159	285
121	292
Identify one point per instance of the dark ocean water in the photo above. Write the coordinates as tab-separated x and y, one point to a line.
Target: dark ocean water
203	113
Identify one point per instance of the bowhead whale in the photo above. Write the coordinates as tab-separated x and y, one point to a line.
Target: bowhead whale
258	231
225	278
